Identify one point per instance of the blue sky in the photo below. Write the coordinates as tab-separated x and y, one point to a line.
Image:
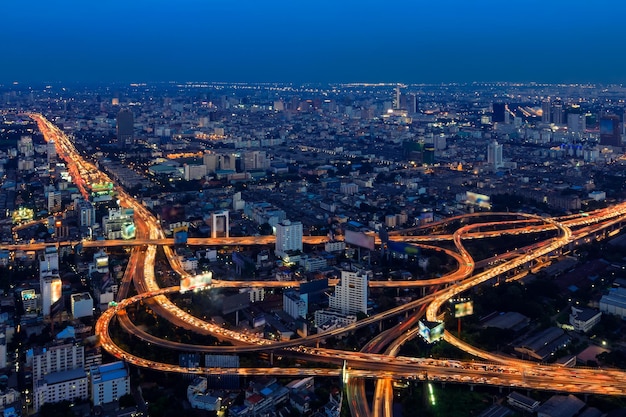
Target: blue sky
313	41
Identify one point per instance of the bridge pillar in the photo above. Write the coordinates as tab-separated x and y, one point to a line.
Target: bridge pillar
272	358
471	387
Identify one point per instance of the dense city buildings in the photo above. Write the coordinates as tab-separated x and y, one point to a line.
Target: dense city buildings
143	225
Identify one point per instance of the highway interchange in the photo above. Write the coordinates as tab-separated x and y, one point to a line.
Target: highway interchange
371	362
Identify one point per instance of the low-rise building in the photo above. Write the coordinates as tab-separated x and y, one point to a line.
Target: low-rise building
109	382
614	302
583	319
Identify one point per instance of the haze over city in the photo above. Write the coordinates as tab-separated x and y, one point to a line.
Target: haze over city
323	41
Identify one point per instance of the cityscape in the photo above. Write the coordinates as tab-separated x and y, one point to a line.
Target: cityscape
329	209
350	249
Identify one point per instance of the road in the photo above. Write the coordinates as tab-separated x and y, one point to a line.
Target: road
384	367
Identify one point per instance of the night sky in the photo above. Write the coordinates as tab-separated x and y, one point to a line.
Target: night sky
324	41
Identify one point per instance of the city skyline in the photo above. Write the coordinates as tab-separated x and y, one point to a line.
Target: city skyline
321	42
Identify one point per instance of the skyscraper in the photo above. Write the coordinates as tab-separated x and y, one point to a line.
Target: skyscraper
609	130
351	293
557	114
494	155
546	111
125	127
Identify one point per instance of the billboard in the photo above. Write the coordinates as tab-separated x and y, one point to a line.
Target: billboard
180	237
195	282
403	247
479	200
463	308
28	295
359	239
431	331
102	262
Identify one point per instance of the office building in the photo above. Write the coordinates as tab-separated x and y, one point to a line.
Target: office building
125	127
494	155
109	382
350	293
288	237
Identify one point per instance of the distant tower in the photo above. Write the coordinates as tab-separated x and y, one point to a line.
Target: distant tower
219	224
397	103
609	130
494	155
51	151
125	127
499	109
545	111
557	114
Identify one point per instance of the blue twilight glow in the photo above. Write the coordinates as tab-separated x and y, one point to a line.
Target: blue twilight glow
313	41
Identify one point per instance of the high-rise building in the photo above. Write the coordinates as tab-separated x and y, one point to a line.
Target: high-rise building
125	127
54	201
557	114
412	103
609	130
288	237
351	293
49	262
109	382
211	161
51	151
499	109
546	111
220	224
255	160
397	100
576	123
494	155
87	213
51	292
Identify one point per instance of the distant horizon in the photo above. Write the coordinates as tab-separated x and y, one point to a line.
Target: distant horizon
138	83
